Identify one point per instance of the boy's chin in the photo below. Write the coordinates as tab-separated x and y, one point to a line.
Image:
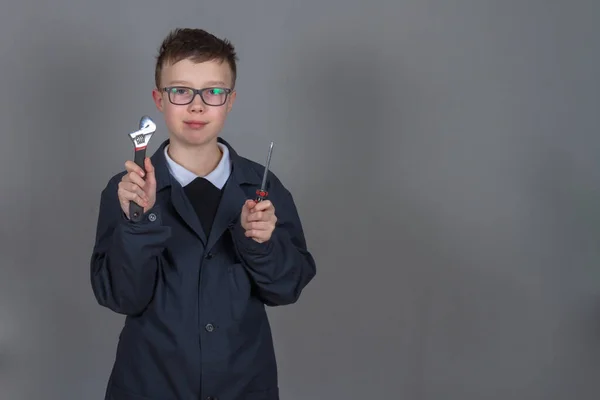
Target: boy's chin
194	139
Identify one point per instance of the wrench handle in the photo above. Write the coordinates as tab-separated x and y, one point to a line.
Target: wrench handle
135	210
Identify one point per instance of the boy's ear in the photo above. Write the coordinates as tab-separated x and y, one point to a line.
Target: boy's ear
158	99
231	100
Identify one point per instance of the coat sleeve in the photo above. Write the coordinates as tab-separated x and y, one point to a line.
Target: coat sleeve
126	255
281	267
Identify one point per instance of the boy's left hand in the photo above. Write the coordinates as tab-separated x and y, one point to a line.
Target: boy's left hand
258	220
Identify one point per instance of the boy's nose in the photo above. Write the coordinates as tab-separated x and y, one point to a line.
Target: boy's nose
197	105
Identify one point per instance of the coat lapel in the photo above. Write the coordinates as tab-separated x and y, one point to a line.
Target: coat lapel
180	202
184	208
228	212
242	175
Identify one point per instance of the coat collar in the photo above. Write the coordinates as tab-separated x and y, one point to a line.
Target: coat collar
243	172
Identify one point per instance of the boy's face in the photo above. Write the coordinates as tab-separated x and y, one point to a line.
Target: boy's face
196	123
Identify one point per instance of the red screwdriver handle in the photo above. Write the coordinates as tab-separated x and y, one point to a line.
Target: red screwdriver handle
261	195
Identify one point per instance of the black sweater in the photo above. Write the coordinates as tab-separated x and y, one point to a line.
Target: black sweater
205	198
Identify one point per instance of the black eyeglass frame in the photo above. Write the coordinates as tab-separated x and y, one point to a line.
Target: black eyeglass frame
197	92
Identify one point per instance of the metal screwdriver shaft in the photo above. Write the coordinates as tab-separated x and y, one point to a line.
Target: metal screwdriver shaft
262	192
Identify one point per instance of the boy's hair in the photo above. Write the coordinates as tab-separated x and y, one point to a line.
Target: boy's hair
197	45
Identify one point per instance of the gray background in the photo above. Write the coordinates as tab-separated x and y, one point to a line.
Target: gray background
443	155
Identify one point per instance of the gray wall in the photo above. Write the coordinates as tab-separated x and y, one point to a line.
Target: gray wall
443	154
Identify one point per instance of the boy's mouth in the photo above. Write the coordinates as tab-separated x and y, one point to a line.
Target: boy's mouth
195	124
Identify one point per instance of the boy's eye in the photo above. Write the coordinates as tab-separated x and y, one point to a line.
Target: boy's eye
179	91
216	91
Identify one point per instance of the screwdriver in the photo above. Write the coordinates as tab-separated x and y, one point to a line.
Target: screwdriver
262	192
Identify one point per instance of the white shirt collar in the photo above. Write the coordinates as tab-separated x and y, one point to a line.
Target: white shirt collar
217	177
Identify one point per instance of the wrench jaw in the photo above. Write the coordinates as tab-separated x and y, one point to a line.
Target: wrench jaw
140	140
146	122
142	136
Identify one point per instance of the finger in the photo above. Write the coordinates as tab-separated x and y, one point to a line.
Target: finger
133	177
260	226
256	216
249	204
130	166
247	208
126	196
263	205
259	236
133	188
261	215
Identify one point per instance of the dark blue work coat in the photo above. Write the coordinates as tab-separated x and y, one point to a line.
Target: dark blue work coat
196	325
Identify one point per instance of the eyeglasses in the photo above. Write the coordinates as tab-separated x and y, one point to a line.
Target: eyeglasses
212	96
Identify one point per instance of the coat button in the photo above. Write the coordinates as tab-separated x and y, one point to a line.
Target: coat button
209	327
209	256
152	217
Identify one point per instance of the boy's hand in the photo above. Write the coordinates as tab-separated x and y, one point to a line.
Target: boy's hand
258	219
133	187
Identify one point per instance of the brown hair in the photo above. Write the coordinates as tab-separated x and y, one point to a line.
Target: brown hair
197	45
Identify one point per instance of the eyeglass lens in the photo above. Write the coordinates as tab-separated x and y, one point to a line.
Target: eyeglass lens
211	96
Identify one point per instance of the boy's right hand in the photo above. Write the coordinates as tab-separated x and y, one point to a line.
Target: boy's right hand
133	186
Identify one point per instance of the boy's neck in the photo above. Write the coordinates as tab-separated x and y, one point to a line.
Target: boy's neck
201	160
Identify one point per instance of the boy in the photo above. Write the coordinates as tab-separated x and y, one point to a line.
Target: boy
194	275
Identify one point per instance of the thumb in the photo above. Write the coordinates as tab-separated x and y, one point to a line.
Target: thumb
150	177
246	209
